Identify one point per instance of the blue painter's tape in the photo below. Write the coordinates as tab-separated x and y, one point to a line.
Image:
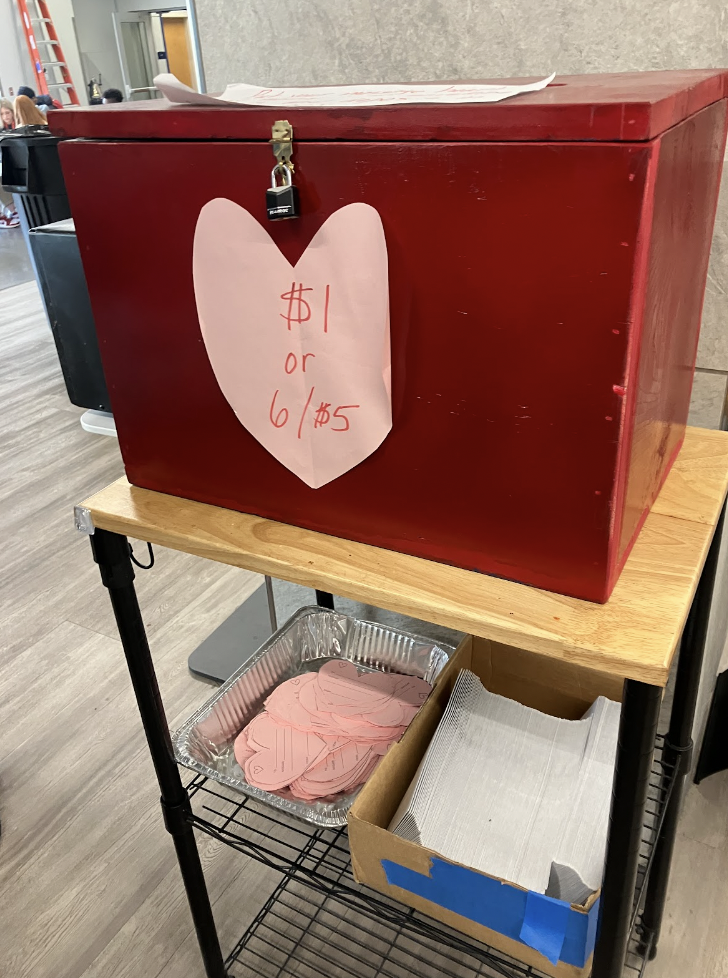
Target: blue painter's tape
544	925
503	908
591	928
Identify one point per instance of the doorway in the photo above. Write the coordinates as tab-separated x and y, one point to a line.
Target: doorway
150	42
177	43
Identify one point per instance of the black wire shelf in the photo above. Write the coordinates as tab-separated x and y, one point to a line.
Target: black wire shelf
304	933
319	919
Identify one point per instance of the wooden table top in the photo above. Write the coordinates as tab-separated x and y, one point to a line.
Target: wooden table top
633	635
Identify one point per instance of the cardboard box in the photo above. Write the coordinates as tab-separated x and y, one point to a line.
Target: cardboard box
491	910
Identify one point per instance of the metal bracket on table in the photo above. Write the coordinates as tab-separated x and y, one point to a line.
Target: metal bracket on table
238	637
83	520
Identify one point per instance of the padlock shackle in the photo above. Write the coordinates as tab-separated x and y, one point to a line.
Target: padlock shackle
287	178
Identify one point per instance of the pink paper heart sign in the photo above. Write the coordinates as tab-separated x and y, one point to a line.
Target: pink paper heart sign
301	353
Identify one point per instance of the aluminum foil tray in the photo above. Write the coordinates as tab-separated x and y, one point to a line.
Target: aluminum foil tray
307	640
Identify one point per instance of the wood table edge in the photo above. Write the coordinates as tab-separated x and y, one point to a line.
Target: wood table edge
316	576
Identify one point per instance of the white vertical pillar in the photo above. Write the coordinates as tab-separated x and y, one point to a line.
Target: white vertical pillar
196	48
15	66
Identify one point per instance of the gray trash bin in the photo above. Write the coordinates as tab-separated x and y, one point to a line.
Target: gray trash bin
63	284
31	172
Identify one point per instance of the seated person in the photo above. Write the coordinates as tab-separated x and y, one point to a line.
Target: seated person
27	113
7	114
43	102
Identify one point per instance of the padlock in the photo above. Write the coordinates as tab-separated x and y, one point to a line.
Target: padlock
281	202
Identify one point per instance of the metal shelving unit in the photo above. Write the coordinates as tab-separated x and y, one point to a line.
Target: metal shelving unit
317	909
318	915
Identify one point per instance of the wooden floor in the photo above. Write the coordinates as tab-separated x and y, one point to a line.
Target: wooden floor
88	882
15	266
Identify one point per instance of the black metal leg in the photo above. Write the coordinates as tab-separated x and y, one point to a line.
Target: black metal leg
637	733
111	553
270	595
325	599
679	743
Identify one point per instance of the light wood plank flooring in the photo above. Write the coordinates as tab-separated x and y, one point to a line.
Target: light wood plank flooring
15	266
88	881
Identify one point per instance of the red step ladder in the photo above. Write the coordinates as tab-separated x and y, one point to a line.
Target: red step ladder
51	71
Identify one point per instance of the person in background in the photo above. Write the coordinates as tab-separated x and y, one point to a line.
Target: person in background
28	92
8	214
27	113
7	115
46	104
112	95
43	102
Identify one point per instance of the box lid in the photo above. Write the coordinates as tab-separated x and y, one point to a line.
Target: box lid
607	107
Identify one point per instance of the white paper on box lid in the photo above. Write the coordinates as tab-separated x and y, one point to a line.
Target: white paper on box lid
341	96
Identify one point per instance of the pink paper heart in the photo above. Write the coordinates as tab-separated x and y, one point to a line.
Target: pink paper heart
338	767
320	705
297	790
408	693
301	353
390	715
292	753
242	751
319	718
386	682
337	669
316	788
409	689
262	731
412	690
363	707
359	729
284	703
298	745
369	770
341	690
381	747
354	700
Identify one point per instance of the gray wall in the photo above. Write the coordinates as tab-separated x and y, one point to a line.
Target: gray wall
308	42
63	20
97	41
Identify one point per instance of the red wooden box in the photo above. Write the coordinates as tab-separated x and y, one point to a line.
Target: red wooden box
547	262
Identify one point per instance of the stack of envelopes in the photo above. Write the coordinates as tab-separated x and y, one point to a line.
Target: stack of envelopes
516	793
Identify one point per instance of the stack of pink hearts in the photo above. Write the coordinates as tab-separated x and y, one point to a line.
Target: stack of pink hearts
323	733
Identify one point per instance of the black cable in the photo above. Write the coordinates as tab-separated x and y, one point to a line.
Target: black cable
135	561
